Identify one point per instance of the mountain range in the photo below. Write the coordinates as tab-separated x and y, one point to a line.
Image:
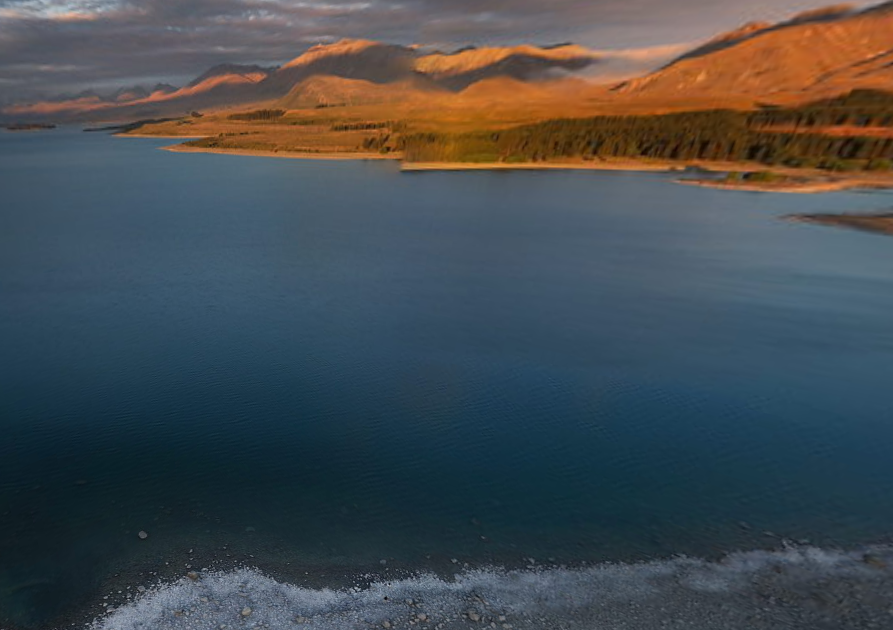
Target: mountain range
812	55
372	63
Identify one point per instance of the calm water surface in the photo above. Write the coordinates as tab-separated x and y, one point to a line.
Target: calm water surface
335	364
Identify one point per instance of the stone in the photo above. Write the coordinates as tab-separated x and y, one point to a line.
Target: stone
874	561
386	624
422	617
246	612
473	616
192	575
143	535
300	619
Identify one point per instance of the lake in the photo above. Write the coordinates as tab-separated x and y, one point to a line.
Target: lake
324	368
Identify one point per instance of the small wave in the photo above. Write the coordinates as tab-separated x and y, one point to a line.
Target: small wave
797	588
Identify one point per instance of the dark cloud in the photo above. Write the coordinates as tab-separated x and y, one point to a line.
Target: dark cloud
57	45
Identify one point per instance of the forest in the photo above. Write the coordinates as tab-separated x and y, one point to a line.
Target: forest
831	134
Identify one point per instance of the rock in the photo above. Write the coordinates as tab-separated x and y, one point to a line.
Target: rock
874	561
246	612
422	617
382	562
143	535
300	619
473	616
192	575
141	588
385	624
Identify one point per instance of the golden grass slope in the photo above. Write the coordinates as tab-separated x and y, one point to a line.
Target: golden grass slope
791	59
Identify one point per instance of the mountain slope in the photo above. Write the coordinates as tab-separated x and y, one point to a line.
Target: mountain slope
793	57
524	63
222	84
328	91
368	62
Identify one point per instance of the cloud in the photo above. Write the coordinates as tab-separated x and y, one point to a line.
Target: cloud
116	42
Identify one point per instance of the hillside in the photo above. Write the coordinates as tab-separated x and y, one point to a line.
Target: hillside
322	91
524	63
816	52
370	65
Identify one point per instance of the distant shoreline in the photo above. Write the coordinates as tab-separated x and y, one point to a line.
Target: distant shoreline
879	223
788	188
801	181
631	165
125	134
309	155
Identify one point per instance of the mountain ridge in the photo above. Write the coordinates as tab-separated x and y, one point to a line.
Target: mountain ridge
813	54
788	58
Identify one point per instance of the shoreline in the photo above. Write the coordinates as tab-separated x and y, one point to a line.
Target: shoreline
809	182
184	559
294	155
806	188
631	166
881	223
126	134
466	596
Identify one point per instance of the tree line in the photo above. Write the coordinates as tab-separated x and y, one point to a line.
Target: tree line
717	135
259	115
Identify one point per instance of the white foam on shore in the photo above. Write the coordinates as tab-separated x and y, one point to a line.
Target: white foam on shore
711	594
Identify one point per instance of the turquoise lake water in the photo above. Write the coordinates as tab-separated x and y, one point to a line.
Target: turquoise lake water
341	367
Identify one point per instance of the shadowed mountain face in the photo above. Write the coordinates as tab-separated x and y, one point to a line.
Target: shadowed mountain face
525	63
813	54
370	63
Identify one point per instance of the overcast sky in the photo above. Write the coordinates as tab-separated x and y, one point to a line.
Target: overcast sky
63	45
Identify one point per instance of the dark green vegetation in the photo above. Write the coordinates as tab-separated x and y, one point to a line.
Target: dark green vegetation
259	115
756	177
361	126
859	108
817	135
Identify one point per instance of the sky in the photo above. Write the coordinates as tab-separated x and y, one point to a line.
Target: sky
53	46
